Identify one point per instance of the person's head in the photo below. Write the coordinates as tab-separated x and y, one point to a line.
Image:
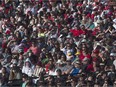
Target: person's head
68	62
59	72
54	56
25	77
68	46
15	43
63	58
14	65
39	64
83	27
51	80
102	65
90	78
112	68
112	56
43	50
33	44
56	45
71	41
84	43
50	61
84	49
77	64
18	34
85	61
58	55
15	69
8	50
4	70
27	63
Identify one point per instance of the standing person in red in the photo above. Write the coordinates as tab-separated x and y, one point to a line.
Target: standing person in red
47	66
34	49
96	60
84	52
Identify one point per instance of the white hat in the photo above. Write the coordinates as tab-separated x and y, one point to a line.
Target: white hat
87	6
59	62
21	3
11	65
38	25
34	29
112	54
97	43
19	6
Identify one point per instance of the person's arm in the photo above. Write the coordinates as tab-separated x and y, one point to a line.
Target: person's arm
94	66
110	31
100	35
68	71
98	75
106	30
48	33
16	31
8	45
71	71
106	68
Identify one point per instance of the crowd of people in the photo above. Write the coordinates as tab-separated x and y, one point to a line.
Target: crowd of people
57	43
